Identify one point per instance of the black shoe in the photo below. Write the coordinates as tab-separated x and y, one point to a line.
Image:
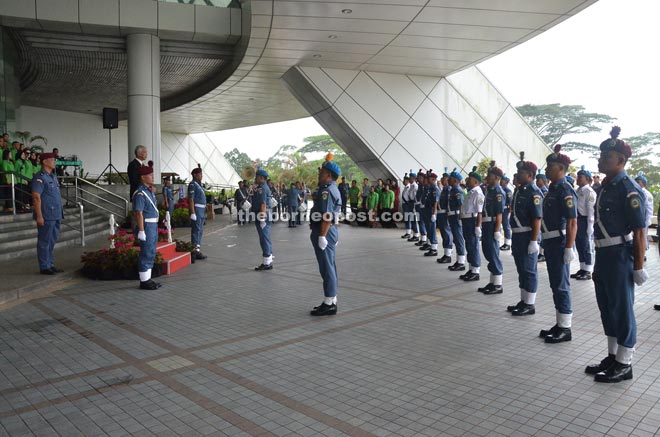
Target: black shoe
585	276
576	274
56	270
47	272
541	258
444	260
505	247
469	277
149	285
413	238
261	267
604	364
496	289
425	247
199	255
431	252
560	335
486	288
420	242
520	304
464	275
524	310
406	236
656	307
456	267
617	372
324	310
546	332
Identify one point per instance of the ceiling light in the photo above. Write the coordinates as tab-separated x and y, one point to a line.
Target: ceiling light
347	11
332	36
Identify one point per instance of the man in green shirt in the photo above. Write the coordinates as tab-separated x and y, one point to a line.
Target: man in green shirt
372	205
354	196
386	207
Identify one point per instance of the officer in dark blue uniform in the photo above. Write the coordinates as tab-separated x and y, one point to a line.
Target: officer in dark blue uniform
48	212
620	246
506	223
492	229
559	226
146	218
324	235
240	197
197	207
431	198
419	209
168	196
526	214
454	217
471	213
542	183
292	202
443	220
260	208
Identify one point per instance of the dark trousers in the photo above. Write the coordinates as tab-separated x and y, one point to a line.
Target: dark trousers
491	248
457	234
583	242
559	274
526	264
442	222
471	242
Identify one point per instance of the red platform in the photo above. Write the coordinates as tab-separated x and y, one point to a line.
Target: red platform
173	260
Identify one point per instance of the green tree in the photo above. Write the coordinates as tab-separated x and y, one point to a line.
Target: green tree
646	152
553	121
325	143
238	160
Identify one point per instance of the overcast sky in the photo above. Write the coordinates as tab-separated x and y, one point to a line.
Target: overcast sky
605	58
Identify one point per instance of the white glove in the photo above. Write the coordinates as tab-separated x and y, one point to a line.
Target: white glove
193	217
323	242
640	276
569	255
533	247
497	236
142	236
477	232
433	218
262	223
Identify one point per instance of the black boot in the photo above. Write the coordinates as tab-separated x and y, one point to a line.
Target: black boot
541	258
604	364
444	260
576	274
656	307
425	247
413	238
199	255
560	335
457	267
520	304
617	372
420	243
261	267
324	310
486	288
585	276
505	247
406	236
496	289
524	310
546	332
469	277
149	285
431	252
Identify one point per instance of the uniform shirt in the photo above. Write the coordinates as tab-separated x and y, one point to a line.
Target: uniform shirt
559	205
586	202
455	198
241	196
168	194
261	196
649	206
544	190
432	196
196	193
343	190
508	196
495	201
145	201
619	207
412	192
474	202
293	197
404	193
48	187
526	206
443	203
419	195
328	200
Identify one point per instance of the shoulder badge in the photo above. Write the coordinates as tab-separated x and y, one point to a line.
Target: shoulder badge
537	200
324	195
569	201
498	197
635	202
40	181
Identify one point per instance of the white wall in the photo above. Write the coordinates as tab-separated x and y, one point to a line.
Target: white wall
83	135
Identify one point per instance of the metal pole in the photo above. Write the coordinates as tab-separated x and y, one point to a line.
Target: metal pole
13	194
82	224
76	188
110	156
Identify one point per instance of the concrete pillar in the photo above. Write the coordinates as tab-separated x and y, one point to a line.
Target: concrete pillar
144	96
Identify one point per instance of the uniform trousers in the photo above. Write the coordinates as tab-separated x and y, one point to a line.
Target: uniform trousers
326	259
46	239
506	223
471	241
148	247
197	226
558	273
264	238
457	234
491	248
583	242
526	263
442	222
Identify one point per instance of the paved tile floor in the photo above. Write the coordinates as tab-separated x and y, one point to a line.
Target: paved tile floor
224	350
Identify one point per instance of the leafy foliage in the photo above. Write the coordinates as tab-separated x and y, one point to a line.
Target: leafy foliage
238	160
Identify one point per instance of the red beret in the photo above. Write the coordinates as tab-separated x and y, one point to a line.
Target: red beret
144	170
558	157
526	165
432	175
495	170
613	143
197	170
45	156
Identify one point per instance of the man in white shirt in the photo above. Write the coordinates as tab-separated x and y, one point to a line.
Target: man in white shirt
586	202
408	196
471	212
649	207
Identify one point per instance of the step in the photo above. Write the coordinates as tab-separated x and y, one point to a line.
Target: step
177	263
168	250
67	237
25	221
21	234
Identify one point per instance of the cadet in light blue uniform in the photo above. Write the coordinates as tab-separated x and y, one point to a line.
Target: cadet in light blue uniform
620	246
559	226
168	196
526	214
419	208
431	198
492	229
197	207
324	235
260	208
506	223
454	217
443	220
48	212
146	218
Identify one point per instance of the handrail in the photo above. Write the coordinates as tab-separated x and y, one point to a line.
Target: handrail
123	206
105	191
14	188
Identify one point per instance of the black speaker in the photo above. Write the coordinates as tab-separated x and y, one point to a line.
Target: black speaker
110	118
